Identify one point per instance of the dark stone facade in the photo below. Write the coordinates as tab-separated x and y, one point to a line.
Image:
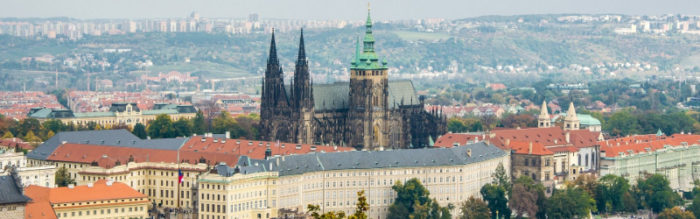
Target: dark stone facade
369	112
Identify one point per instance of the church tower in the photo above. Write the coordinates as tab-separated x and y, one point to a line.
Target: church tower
274	101
543	120
302	95
571	121
369	90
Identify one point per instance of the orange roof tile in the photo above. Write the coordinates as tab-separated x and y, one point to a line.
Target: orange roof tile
522	147
448	140
254	149
99	191
39	207
644	143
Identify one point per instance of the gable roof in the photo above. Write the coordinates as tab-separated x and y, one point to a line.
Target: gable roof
10	192
336	96
39	207
101	190
645	144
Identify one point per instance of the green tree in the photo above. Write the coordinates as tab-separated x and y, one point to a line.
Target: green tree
611	193
140	131
223	123
495	196
695	206
474	208
361	207
62	177
675	213
199	124
162	127
413	201
622	123
501	178
54	125
183	127
656	193
571	202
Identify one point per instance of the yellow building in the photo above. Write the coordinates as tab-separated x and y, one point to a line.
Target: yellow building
119	114
103	199
262	188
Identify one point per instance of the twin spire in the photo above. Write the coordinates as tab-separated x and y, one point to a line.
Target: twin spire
272	58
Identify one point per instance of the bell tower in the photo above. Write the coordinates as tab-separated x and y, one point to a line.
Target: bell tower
543	120
369	91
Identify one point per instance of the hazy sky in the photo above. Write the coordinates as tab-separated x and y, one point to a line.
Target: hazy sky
334	9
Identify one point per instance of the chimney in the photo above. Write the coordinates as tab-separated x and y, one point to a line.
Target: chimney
529	149
469	152
90	185
148	137
568	137
507	142
109	182
228	134
71	186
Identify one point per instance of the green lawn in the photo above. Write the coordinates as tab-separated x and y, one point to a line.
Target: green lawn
414	36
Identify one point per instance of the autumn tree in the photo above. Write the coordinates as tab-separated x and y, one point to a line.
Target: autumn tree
527	197
474	208
361	207
675	213
314	212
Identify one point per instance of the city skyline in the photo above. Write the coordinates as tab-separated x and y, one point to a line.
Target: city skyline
310	9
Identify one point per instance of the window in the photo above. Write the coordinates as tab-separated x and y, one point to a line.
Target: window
527	162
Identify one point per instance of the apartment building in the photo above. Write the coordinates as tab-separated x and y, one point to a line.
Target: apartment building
261	188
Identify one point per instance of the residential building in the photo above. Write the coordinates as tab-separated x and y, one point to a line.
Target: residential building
103	199
677	157
12	202
257	188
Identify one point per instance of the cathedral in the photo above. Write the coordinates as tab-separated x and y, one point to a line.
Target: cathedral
368	112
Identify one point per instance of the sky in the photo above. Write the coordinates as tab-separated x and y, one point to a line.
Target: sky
335	9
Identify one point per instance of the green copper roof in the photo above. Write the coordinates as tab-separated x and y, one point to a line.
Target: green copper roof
584	119
368	59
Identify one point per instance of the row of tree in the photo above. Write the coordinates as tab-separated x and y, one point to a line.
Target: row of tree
240	126
608	195
621	123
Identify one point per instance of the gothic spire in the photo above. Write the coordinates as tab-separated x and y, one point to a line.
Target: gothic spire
301	58
273	51
369	38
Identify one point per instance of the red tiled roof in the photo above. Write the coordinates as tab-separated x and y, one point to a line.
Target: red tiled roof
107	156
448	140
12	142
226	151
39	207
522	147
99	191
254	149
642	143
549	137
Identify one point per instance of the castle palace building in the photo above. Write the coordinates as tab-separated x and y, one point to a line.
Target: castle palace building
369	112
